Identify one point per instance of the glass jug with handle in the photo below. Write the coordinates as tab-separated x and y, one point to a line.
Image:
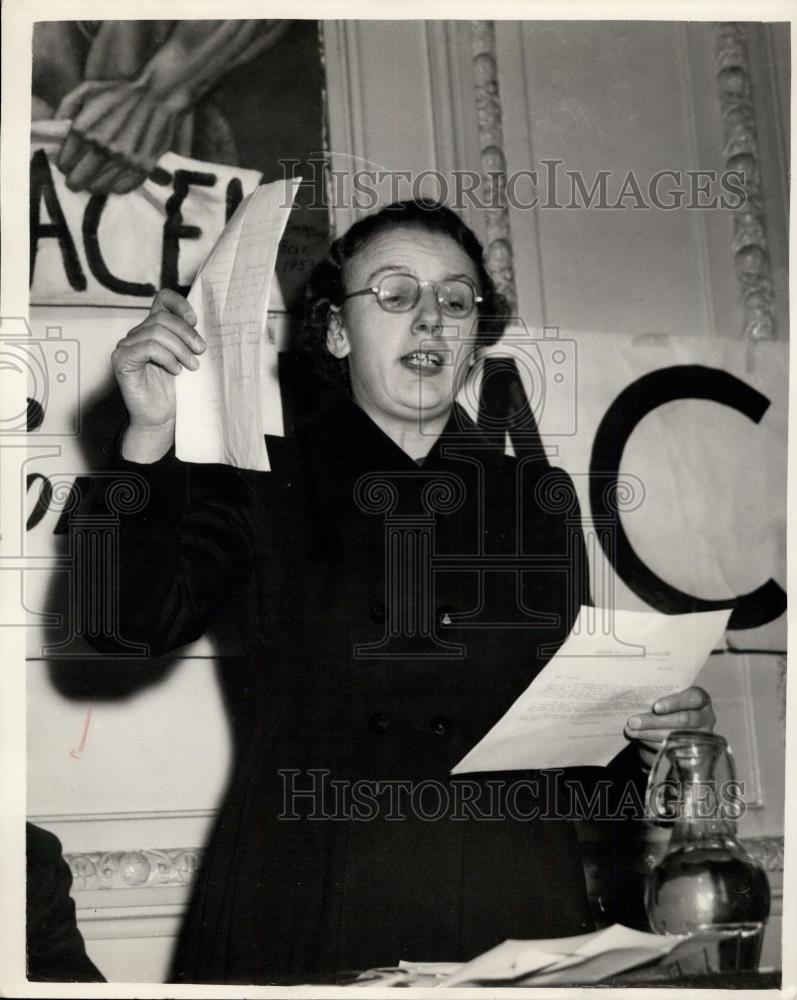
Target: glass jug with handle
705	880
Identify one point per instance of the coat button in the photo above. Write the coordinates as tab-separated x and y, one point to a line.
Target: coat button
379	723
440	725
377	612
444	613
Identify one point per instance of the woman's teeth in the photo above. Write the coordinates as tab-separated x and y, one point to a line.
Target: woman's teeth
423	358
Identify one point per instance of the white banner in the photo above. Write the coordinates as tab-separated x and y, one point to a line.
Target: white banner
677	447
120	249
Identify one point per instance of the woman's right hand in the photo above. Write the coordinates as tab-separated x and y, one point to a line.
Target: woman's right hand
145	363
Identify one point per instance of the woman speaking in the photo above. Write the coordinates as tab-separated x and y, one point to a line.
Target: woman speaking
391	567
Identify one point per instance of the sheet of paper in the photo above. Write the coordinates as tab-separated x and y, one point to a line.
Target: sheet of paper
575	710
584	957
227	405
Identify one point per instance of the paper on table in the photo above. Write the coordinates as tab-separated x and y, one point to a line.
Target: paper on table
585	956
575	710
226	406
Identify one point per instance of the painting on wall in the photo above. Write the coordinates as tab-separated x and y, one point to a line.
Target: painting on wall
145	138
240	101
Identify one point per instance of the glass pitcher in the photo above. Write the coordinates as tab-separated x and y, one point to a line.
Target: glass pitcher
705	880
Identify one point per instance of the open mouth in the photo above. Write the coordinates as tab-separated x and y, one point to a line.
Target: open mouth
423	361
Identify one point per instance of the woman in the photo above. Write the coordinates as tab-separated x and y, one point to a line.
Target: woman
391	562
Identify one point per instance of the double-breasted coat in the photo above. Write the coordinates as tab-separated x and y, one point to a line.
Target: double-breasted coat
395	611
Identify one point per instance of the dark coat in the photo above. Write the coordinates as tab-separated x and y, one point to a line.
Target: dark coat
55	949
396	611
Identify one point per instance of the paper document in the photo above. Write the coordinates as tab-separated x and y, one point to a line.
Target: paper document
575	710
577	960
227	405
584	958
615	955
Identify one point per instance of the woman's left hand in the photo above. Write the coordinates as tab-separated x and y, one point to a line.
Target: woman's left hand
689	709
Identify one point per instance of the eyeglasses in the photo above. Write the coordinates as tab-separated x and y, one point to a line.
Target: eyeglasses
398	293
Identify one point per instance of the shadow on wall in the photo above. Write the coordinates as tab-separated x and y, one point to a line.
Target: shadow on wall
75	669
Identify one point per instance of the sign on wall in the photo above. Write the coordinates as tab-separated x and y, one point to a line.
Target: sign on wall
147	134
676	445
677	448
119	249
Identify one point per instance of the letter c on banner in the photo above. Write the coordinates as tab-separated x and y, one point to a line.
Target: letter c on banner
634	403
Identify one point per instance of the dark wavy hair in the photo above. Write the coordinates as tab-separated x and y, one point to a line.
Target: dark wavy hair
326	286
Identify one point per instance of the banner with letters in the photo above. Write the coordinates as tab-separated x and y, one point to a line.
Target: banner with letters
110	250
676	446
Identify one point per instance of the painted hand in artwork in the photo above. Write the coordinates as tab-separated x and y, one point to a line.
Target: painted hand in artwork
120	128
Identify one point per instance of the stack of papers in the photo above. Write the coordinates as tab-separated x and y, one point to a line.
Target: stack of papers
586	958
583	959
616	955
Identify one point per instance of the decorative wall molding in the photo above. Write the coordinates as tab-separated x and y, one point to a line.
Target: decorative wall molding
151	867
344	119
90	835
782	681
498	251
452	110
754	794
741	153
445	96
768	851
146	868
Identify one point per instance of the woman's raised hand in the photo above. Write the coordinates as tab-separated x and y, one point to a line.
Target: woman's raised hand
145	363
